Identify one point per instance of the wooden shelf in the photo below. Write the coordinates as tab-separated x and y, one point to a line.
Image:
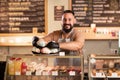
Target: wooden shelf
100	33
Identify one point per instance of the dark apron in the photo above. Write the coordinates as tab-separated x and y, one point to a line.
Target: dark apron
68	52
67	61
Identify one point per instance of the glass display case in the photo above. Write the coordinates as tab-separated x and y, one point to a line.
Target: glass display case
104	67
44	67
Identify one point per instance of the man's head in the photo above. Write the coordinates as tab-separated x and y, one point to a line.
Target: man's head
68	21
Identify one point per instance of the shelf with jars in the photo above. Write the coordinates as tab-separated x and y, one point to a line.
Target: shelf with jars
44	67
104	67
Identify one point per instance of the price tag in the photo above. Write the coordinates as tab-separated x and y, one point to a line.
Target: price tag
61	53
55	73
72	73
28	72
38	73
17	73
99	74
45	73
114	74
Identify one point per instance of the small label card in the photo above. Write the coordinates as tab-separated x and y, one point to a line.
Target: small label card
61	53
28	72
38	73
17	73
45	73
114	74
72	73
99	74
55	73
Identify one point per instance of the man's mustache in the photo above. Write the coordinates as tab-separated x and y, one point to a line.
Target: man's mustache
67	24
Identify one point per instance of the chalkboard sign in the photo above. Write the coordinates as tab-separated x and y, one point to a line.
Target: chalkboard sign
103	13
22	16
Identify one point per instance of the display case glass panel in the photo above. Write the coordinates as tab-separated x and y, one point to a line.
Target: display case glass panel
104	67
36	67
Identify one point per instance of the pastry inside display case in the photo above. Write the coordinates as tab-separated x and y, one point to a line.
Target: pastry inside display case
104	66
44	68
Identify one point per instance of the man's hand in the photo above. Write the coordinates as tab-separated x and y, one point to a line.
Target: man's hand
52	45
34	41
38	43
45	50
35	50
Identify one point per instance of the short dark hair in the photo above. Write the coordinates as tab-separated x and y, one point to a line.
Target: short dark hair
68	11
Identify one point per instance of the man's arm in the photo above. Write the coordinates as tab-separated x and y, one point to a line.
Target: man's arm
76	44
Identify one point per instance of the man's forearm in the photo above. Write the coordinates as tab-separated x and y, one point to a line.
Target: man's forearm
71	45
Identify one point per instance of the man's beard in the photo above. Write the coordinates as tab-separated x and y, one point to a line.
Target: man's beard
67	30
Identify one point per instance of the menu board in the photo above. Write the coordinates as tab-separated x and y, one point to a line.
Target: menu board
22	16
103	13
58	10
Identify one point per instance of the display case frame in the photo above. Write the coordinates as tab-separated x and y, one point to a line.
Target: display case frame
101	65
53	74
